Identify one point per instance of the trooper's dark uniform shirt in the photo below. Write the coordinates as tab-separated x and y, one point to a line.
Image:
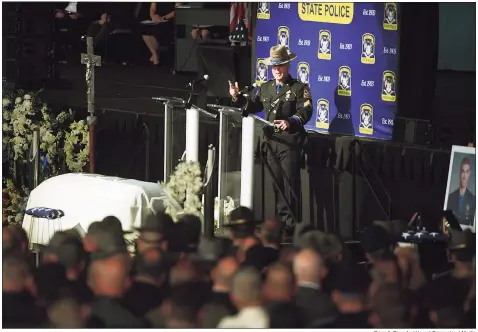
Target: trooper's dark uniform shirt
290	101
463	206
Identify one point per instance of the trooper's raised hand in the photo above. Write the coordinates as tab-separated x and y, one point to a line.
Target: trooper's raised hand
233	89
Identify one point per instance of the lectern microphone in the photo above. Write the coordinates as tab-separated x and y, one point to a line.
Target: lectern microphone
248	89
193	82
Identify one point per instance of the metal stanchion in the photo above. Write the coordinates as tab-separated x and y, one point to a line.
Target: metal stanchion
36	157
208	227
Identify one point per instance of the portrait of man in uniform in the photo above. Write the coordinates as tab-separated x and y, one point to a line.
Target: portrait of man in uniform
461	189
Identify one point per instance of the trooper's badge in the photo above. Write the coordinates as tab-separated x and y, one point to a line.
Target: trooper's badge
287	95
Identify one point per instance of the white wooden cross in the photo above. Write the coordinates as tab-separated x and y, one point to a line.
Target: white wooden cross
91	61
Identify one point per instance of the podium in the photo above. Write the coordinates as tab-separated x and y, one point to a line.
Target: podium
180	119
236	156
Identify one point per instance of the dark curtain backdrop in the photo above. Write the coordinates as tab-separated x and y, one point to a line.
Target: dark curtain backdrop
418	59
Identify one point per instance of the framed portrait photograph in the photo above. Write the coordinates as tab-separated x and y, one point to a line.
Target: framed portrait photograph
460	196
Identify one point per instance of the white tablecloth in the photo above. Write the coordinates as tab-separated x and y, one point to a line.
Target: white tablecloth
86	198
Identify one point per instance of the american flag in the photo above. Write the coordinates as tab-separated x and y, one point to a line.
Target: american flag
240	11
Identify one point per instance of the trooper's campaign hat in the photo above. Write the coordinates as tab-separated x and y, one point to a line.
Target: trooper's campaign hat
280	55
241	216
462	240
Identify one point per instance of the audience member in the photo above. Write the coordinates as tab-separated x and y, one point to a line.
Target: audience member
316	306
183	280
287	254
220	304
242	226
155	233
272	235
15	239
184	271
156	21
391	308
18	302
445	300
246	296
205	32
462	252
149	286
67	250
109	278
67	313
190	234
349	296
378	247
72	21
222	277
113	16
279	290
409	263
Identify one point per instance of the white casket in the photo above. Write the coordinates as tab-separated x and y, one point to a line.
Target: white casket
86	198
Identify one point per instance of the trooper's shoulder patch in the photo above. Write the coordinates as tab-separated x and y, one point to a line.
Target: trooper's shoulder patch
307	92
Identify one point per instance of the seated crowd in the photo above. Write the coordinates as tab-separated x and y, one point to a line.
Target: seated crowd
177	278
152	22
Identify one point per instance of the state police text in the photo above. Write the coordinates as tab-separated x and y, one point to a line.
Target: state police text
335	10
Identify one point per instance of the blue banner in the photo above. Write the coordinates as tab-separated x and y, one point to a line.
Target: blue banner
346	52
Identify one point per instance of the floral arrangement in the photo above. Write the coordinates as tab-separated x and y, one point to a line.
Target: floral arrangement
77	147
63	146
185	186
14	201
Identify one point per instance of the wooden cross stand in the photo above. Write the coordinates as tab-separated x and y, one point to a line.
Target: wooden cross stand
91	61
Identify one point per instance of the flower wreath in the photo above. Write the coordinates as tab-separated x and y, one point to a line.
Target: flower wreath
77	146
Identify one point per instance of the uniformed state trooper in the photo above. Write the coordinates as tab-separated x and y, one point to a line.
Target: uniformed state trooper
462	201
288	104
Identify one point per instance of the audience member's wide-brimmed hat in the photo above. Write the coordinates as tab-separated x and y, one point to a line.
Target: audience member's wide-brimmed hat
241	216
115	224
279	55
462	240
108	238
159	223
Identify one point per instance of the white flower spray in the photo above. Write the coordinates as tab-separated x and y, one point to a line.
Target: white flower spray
185	186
